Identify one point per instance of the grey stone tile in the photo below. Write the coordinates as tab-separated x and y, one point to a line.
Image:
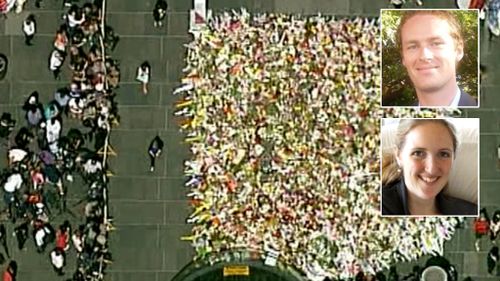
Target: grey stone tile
174	51
165	276
137	212
456	259
261	6
132	51
137	24
176	212
178	254
47	21
489	99
135	141
218	5
167	98
173	233
453	244
134	260
467	239
329	7
173	122
173	189
47	274
131	94
178	24
134	237
133	188
175	259
490	193
180	6
132	276
476	263
5	92
131	6
5	44
177	154
45	89
491	125
147	117
33	66
13	23
2	27
134	164
367	8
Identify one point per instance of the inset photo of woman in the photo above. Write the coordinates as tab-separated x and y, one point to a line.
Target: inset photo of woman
430	167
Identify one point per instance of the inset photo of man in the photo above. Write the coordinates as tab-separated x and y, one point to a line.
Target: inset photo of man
430	58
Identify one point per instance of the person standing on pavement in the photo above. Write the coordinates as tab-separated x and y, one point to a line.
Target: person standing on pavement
143	76
160	12
58	261
154	151
481	227
3	239
21	233
56	61
492	259
29	29
10	272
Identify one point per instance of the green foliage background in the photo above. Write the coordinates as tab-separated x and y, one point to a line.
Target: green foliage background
397	89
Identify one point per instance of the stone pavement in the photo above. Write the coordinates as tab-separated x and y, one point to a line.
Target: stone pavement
150	208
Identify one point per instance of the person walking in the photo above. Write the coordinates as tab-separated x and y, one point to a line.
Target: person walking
492	259
29	29
3	239
56	61
154	151
160	12
58	261
10	272
481	227
495	226
21	233
143	76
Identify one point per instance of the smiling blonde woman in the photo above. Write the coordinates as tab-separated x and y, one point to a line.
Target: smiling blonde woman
414	176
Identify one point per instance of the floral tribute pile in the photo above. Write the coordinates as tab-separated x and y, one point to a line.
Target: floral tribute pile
282	115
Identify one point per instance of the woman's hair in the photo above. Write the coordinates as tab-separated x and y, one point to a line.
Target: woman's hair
390	169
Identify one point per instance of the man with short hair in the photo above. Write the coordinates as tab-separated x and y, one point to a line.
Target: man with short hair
431	47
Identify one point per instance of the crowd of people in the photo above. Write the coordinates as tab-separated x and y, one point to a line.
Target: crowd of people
282	116
43	160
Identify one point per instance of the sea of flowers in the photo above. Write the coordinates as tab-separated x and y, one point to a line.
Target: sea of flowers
282	115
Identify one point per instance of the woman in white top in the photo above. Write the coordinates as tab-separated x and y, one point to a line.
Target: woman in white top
55	62
143	75
29	29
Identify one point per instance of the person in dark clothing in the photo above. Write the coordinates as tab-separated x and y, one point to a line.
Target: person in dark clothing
160	12
23	138
111	39
32	101
393	274
21	233
3	239
154	151
76	139
495	226
6	124
492	259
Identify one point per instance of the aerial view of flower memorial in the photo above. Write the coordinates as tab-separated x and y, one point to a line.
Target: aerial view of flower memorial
282	114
